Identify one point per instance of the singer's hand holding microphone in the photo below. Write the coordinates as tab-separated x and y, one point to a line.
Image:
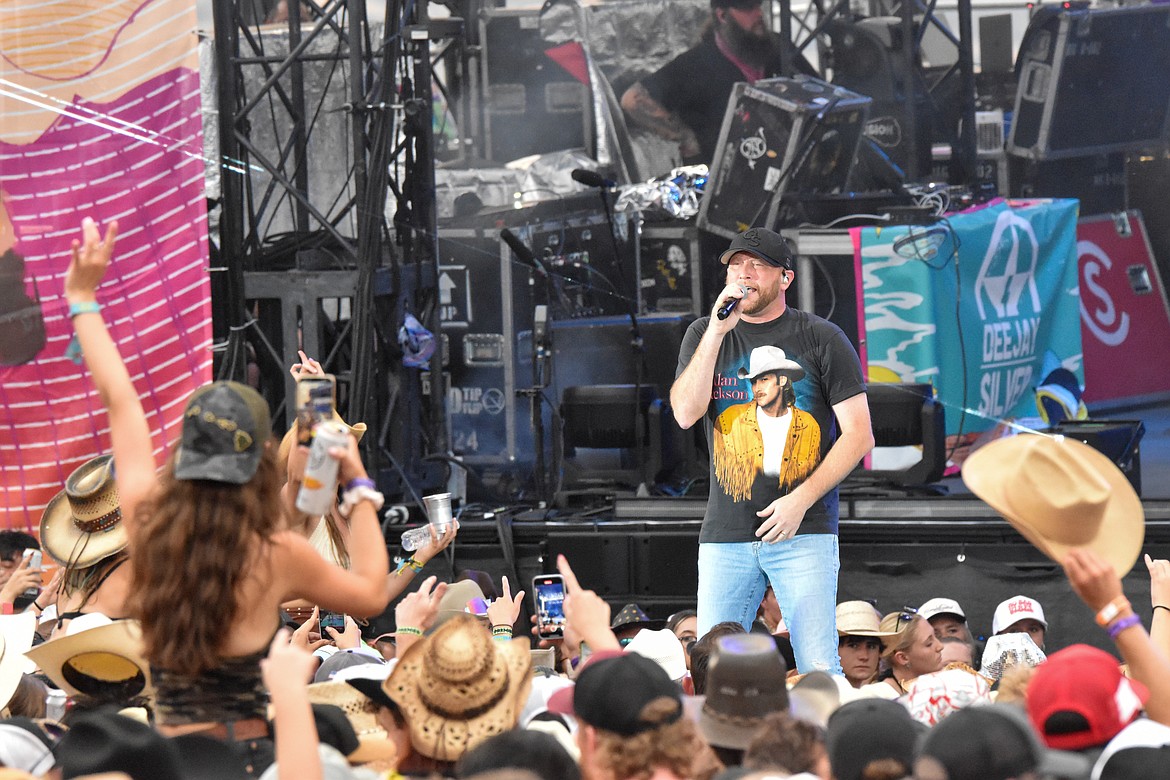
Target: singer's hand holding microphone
729	304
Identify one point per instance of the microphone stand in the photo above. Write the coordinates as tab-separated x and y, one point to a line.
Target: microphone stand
541	357
637	344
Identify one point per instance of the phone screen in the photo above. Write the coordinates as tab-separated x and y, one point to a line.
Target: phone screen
316	396
335	620
548	591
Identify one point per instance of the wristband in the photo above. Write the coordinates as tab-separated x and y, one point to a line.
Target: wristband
357	482
38	606
1129	621
410	630
84	307
1161	606
1110	611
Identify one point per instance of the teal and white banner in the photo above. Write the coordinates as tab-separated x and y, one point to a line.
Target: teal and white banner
972	305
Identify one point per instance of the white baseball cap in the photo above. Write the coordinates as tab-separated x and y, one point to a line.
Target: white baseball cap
1015	609
936	607
663	648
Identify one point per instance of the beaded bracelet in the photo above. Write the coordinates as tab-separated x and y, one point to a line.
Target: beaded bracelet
1120	625
411	630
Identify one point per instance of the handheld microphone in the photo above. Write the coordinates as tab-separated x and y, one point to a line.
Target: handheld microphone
729	305
591	178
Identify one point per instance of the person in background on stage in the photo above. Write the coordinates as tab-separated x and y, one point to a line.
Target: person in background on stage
772	512
736	45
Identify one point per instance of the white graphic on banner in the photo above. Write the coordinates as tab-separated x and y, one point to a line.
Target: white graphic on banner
1110	327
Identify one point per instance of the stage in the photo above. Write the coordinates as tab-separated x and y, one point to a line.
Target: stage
899	550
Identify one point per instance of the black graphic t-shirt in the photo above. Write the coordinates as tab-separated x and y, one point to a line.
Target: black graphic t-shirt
739	488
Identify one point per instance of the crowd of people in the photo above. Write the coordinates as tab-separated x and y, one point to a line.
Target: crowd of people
183	633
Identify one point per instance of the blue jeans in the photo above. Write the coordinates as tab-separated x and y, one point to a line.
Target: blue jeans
802	572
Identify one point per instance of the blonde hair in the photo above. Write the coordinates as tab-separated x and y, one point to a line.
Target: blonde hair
903	635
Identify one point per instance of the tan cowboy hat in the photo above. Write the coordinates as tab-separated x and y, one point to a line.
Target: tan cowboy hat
765	359
858	618
290	436
83	523
457	687
16	636
373	742
97	657
1060	494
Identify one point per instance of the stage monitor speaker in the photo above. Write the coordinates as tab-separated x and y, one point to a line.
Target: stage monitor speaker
1093	81
906	415
1118	440
1098	181
869	57
781	138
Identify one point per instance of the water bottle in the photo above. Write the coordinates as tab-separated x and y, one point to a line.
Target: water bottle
318	491
421	536
438	509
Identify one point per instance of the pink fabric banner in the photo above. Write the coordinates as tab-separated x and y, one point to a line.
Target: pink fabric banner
100	117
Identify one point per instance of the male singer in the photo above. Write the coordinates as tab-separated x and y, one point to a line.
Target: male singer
772	513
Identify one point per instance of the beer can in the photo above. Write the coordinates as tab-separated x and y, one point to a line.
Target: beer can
319	485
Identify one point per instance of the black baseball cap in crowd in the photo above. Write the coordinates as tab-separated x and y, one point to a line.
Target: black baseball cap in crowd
225	427
611	691
767	245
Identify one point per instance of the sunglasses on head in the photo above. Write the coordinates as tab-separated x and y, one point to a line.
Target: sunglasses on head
907	615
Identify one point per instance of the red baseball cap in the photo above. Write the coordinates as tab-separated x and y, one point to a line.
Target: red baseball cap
1079	699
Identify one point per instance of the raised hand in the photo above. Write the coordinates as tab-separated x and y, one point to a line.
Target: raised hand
505	610
586	613
91	258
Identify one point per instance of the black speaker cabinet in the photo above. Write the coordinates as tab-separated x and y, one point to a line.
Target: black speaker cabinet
870	57
1118	440
780	137
1092	81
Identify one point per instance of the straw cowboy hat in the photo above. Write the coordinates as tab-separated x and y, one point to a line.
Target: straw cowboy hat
1060	494
83	523
290	436
859	618
765	359
16	635
97	657
373	742
457	687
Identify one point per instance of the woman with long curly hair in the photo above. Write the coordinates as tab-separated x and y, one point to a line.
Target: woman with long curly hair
212	558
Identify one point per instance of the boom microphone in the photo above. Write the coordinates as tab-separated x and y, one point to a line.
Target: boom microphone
591	178
729	305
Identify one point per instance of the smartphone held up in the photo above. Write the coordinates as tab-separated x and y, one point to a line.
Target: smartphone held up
548	593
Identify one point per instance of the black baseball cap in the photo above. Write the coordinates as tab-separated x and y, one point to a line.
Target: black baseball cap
610	693
225	427
767	245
